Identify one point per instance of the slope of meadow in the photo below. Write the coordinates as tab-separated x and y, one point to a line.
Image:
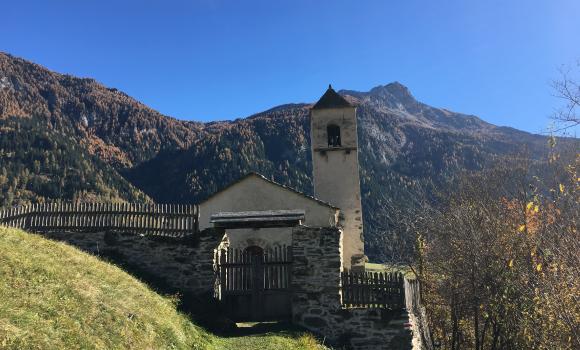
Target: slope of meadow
53	296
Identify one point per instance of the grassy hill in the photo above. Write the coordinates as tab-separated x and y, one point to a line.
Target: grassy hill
53	296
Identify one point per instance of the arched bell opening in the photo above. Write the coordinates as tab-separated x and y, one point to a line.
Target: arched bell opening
333	132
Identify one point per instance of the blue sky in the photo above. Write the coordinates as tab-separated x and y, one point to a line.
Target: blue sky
212	60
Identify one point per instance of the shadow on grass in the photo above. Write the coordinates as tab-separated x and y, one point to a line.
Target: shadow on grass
203	309
285	328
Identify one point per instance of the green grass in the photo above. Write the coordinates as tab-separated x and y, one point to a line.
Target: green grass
53	296
268	342
405	270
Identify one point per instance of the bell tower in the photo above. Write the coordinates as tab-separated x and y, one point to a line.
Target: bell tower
334	143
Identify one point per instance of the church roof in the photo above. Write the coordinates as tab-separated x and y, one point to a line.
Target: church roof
265	218
262	177
331	99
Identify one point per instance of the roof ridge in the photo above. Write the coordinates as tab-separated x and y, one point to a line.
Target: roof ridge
253	173
331	99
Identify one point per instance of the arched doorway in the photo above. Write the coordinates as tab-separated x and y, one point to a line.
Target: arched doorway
254	251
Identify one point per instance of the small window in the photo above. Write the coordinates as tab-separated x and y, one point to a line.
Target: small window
333	132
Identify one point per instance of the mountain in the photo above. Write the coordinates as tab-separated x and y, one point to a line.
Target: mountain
407	149
110	124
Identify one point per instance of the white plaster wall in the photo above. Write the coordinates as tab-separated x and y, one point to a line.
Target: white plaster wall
345	118
266	238
255	193
336	174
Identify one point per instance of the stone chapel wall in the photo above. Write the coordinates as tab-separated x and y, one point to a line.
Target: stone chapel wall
316	301
175	265
187	266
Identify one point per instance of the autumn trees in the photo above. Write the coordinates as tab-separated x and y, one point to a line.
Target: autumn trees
39	164
498	255
498	259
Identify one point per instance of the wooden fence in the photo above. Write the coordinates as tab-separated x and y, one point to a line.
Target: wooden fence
254	284
418	313
412	294
248	270
174	220
373	290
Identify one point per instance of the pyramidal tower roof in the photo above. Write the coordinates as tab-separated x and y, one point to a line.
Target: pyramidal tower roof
331	99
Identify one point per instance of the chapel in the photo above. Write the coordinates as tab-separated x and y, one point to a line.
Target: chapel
257	213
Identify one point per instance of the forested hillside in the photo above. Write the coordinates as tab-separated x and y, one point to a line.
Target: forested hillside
93	141
39	163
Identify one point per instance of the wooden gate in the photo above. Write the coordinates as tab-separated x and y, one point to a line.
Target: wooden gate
254	284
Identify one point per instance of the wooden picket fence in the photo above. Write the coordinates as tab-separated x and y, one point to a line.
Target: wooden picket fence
373	290
242	271
254	284
412	294
174	220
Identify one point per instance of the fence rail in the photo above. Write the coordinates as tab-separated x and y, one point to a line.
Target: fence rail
373	290
174	220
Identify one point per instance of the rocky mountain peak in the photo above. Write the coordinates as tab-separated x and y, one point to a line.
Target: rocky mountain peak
394	89
390	96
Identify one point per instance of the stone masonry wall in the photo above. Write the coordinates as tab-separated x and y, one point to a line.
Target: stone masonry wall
316	300
175	265
186	266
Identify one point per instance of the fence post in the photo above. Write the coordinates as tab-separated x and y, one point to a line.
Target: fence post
222	272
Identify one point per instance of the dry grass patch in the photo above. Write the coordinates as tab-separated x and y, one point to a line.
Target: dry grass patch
53	296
